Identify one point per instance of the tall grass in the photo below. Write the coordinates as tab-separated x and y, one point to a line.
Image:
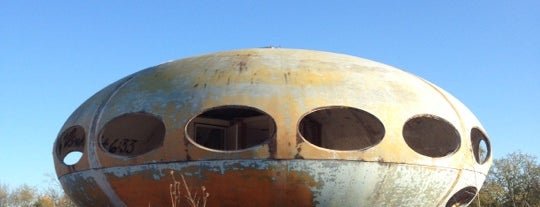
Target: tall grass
193	199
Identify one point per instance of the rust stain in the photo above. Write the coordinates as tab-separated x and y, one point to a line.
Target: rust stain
258	188
237	186
242	67
141	189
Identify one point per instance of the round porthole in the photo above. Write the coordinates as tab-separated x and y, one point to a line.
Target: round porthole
431	136
132	134
462	198
231	128
481	146
70	145
341	128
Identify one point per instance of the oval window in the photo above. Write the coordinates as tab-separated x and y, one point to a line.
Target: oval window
462	197
231	128
431	136
70	145
132	134
481	146
341	128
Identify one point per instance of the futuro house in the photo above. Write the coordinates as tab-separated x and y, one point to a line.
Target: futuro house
272	127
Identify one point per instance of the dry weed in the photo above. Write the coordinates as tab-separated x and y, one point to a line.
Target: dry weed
194	200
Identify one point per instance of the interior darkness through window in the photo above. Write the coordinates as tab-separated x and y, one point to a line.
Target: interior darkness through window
231	128
481	146
462	197
431	136
341	128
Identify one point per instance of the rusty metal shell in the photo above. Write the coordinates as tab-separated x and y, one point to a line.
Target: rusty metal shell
273	127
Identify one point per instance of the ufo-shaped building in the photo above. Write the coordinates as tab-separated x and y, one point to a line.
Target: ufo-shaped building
272	127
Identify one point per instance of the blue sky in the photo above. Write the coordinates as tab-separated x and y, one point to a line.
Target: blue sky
54	55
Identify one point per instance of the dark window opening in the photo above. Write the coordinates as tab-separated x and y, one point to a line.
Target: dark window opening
70	145
431	136
231	128
481	146
132	134
462	197
211	136
311	130
341	128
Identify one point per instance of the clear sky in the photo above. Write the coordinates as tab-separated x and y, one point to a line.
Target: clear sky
56	54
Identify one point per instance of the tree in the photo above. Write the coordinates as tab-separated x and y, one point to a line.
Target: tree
4	195
28	196
23	196
513	181
54	196
490	196
44	201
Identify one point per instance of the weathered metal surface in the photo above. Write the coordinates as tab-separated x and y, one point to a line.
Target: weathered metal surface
279	182
418	146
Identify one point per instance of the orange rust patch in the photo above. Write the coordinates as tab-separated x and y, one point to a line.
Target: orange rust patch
259	188
246	187
141	190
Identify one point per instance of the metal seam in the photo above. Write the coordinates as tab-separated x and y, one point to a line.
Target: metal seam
94	163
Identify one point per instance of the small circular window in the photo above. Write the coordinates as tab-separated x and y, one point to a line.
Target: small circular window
132	134
231	128
431	136
341	128
70	145
480	144
462	197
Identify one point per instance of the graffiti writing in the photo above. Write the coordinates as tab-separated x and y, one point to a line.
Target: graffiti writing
72	138
119	145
